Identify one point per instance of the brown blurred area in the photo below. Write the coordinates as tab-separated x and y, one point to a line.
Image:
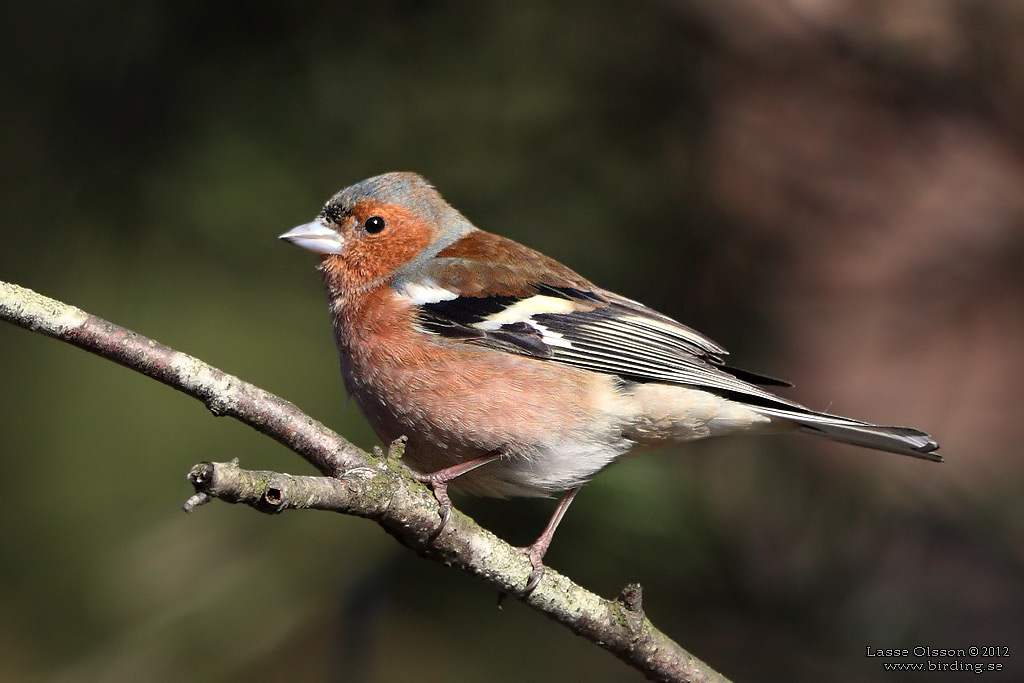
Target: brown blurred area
875	150
879	145
834	190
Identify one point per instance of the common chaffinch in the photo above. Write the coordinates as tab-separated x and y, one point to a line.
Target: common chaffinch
510	374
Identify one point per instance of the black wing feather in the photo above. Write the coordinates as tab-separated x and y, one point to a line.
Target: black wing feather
604	333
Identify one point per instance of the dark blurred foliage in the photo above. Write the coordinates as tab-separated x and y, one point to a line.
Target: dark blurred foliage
833	189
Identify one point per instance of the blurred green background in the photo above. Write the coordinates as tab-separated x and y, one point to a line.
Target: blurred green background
835	191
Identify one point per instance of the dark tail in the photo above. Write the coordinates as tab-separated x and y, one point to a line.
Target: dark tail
902	440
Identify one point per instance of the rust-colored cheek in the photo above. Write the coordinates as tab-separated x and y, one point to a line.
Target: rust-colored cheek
368	258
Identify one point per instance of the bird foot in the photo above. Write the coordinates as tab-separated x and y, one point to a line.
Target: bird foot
438	481
535	554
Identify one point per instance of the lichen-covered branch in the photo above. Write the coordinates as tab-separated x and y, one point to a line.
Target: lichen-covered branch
354	482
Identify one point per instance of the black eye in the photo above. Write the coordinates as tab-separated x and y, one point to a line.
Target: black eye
374	224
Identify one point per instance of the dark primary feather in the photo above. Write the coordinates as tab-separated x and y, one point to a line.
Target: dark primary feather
752	377
642	345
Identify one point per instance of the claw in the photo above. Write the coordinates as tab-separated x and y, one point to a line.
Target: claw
439	485
445	512
537	560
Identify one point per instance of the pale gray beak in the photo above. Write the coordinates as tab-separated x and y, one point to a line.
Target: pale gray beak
315	237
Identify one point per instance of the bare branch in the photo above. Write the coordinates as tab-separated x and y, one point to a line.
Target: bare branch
356	483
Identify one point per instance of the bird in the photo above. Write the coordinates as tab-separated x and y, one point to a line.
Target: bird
511	375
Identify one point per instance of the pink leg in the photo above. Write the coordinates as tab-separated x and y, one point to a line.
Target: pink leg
438	481
537	551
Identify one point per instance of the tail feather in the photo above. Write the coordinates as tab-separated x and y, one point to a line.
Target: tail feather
902	440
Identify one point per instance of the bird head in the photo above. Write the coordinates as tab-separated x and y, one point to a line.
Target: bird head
372	230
